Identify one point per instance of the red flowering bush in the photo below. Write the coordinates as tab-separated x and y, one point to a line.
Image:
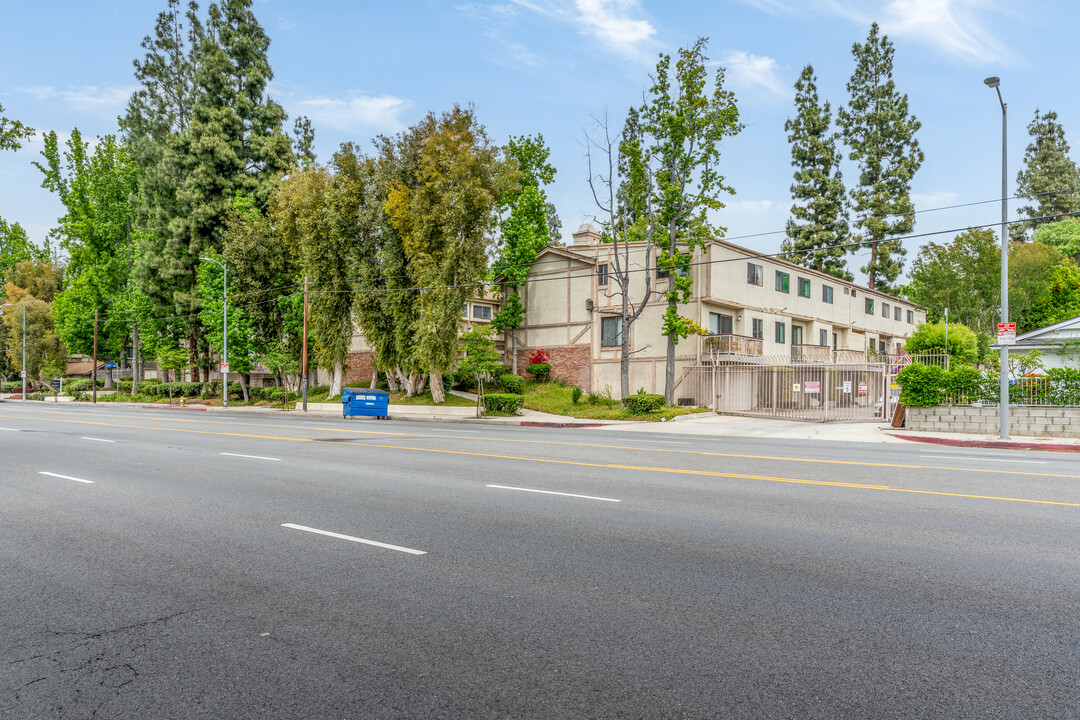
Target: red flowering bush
539	357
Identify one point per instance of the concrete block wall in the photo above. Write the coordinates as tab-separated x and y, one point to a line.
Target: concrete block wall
1062	422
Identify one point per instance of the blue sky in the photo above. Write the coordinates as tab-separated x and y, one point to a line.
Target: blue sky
550	66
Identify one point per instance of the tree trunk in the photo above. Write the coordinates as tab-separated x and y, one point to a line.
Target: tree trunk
624	356
108	379
374	377
243	386
669	373
335	380
438	392
135	360
513	351
392	379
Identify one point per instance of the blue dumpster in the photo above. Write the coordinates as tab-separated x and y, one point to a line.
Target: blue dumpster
371	403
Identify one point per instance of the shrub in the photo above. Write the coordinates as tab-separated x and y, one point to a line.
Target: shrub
511	383
539	371
643	402
503	402
1064	386
965	383
594	398
922	385
575	395
539	357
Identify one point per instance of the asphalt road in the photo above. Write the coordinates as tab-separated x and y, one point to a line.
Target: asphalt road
158	564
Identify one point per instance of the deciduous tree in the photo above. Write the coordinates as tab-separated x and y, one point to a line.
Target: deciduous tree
963	276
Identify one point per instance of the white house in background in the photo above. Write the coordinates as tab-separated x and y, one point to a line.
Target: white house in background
1050	340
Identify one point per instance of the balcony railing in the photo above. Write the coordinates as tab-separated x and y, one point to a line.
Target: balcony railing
811	353
732	345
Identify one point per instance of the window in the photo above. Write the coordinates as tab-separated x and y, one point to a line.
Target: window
754	274
720	324
826	293
796	334
782	281
759	328
911	317
804	287
611	331
823	338
896	313
881	346
781	331
465	310
852	292
601	274
481	312
869	302
885	310
847	291
661	273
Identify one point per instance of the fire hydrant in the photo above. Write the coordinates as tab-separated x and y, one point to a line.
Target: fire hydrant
181	401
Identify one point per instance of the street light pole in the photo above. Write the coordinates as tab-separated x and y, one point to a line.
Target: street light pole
23	373
224	332
1003	389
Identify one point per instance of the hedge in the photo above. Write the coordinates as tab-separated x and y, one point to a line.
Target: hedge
539	371
503	402
923	385
511	383
643	403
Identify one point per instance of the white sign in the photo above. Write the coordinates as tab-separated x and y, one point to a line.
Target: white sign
1007	333
795	387
224	367
22	373
812	387
862	387
847	386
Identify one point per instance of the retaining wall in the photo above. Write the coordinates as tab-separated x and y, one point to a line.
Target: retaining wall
1062	422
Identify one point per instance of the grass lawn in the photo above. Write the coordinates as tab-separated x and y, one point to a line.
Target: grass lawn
557	399
399	398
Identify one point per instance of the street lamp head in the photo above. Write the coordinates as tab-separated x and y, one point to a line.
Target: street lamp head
992	82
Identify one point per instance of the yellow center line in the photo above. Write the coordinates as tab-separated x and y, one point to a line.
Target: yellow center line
640	468
602	446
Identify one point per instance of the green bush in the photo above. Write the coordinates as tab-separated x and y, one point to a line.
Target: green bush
922	385
511	383
539	371
1064	386
77	385
10	386
642	403
965	382
575	395
503	402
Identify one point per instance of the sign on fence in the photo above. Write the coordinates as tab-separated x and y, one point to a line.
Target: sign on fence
812	387
862	387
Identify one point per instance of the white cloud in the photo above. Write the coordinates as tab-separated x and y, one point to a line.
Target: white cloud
612	22
747	71
380	114
933	200
495	21
88	98
951	26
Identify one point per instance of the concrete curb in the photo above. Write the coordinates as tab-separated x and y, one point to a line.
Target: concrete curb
542	423
1001	444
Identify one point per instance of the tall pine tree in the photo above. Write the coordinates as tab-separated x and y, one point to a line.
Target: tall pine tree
818	230
880	133
1050	179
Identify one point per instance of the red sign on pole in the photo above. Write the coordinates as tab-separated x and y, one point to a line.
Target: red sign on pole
1007	333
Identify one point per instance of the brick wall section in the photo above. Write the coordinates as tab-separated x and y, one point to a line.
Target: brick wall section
573	364
1061	422
359	366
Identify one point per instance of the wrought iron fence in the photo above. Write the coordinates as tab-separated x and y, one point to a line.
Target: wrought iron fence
797	391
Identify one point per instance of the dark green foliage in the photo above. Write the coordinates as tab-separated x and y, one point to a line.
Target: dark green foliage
818	230
511	383
642	403
575	395
539	371
503	402
880	133
965	382
923	385
1064	386
1050	179
930	338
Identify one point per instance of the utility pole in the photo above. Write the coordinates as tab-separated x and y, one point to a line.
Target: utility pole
93	370
304	367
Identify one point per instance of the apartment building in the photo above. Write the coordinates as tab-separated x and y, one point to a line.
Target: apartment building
755	309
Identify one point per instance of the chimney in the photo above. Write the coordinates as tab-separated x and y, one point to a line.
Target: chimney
586	235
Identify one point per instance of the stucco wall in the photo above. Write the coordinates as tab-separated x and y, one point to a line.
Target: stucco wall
1061	422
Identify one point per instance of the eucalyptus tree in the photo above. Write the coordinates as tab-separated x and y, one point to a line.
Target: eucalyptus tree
880	133
445	220
817	233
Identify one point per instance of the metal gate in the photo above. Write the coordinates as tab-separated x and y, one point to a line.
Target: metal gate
796	391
